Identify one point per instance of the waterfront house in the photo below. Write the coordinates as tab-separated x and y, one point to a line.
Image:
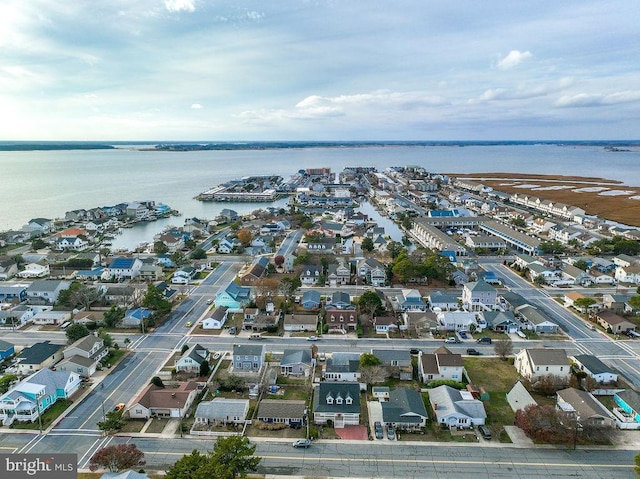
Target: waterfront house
165	402
38	356
534	363
338	403
404	410
122	268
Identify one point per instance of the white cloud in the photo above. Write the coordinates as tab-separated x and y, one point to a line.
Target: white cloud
514	58
197	106
179	5
586	100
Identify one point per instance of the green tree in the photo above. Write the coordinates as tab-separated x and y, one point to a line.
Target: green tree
188	467
367	244
403	269
368	359
370	302
204	368
552	247
112	422
581	264
395	248
6	381
160	248
76	331
154	300
157	381
520	222
106	337
634	302
112	317
637	462
198	253
38	244
583	304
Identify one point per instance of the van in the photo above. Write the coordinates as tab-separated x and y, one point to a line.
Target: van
255	336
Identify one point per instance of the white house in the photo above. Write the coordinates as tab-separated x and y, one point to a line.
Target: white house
442	364
183	275
342	367
478	296
35	270
595	368
122	268
456	408
192	359
535	363
458	321
216	319
46	290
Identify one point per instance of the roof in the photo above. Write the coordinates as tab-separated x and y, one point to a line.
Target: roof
300	319
295	356
548	356
219	312
534	315
519	397
583	403
281	408
38	352
340	297
386	355
170	398
593	364
480	286
311	296
196	352
237	292
336	391
122	263
404	406
79	360
49	285
612	318
447	358
222	408
248	349
631	397
5	346
450	400
87	343
342	366
51	380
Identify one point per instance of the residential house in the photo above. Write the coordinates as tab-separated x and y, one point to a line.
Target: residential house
341	320
226	245
221	411
338	274
13	293
257	270
83	356
411	300
537	320
456	408
167	291
534	363
340	300
458	321
75	243
38	356
574	275
310	274
342	367
46	291
6	349
165	261
150	272
397	360
133	318
256	320
8	268
322	246
166	402
248	358
372	271
122	296
39	269
519	398
584	407
122	268
234	297
300	322
39	226
184	275
629	401
32	396
216	318
311	300
192	359
296	362
628	274
50	317
442	364
384	324
478	296
443	301
338	402
85	367
228	215
616	302
613	322
501	321
404	410
278	411
595	368
18	315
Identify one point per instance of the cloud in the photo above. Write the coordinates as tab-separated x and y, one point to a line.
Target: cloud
514	58
589	100
179	5
197	106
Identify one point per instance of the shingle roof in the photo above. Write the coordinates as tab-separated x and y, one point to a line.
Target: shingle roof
386	355
49	285
548	357
480	286
279	408
247	349
404	406
450	400
38	352
593	364
86	343
583	402
222	408
519	397
5	346
337	390
295	356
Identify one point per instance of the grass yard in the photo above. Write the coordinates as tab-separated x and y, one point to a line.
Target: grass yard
48	417
157	425
298	393
133	425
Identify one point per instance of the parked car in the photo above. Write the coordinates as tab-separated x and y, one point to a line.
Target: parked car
377	427
452	339
119	407
462	335
484	340
484	431
391	434
232	330
209	301
414	351
473	352
302	443
313	338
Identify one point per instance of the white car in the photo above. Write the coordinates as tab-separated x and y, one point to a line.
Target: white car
313	338
209	301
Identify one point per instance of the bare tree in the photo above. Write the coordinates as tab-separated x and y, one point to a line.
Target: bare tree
374	374
548	384
503	347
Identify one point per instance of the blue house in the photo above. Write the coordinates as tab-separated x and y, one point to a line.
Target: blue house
629	401
133	317
165	260
310	300
340	300
233	296
412	301
6	349
13	291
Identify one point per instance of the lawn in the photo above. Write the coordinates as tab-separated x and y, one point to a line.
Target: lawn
48	417
133	425
290	393
157	425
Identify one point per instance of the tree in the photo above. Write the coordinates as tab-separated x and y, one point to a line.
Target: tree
368	359
198	253
394	248
367	244
188	467
637	462
160	248
370	302
157	381
288	286
38	244
112	317
503	347
278	260
581	264
245	236
154	300
84	296
583	304
204	368
6	381
634	302
76	331
374	374
552	247
111	422
546	424
116	458
548	384
231	383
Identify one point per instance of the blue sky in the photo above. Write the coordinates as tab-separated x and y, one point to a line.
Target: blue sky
319	70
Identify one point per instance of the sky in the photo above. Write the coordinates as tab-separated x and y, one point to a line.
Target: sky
240	70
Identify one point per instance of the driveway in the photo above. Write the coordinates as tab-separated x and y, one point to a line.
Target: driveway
375	414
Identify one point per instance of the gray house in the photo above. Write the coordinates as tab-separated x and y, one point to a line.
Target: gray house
538	321
404	410
248	358
296	362
281	411
220	411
